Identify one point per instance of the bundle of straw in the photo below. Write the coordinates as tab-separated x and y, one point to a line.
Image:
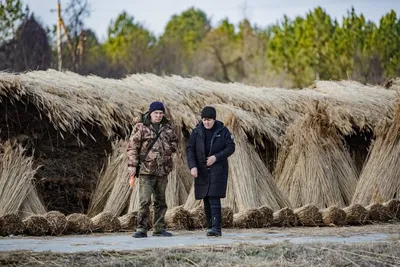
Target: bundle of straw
11	224
308	215
267	216
393	207
197	217
36	225
251	218
377	212
333	216
356	214
313	167
128	221
79	223
58	222
284	217
177	218
106	222
227	217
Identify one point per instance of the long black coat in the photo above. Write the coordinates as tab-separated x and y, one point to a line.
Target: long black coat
211	181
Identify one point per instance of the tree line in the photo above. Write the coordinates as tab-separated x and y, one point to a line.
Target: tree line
290	53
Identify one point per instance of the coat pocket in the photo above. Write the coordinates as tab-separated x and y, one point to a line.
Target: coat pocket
202	178
217	174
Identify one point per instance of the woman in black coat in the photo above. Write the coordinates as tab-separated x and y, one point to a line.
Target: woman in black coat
209	147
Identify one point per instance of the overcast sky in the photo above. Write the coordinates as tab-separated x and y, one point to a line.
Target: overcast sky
155	14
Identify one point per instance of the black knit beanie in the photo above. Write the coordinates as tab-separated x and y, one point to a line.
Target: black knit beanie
209	112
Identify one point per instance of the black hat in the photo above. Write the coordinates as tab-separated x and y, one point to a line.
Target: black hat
156	106
209	112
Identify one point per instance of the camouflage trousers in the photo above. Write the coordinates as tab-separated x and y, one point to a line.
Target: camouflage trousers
148	185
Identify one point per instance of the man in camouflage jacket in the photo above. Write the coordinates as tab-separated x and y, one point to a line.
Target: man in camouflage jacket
155	168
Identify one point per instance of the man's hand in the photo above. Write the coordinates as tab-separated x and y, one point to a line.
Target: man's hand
132	170
211	160
193	172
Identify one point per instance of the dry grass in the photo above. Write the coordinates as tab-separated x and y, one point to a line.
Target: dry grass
197	217
381	172
36	225
227	217
356	215
313	167
17	193
308	215
129	221
177	218
268	216
333	216
58	222
106	222
79	223
11	224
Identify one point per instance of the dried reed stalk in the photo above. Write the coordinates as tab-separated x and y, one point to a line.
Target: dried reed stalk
393	207
313	167
57	221
36	225
308	215
197	217
356	214
381	172
177	218
106	222
284	218
79	223
252	218
377	212
267	216
11	224
333	215
129	221
227	217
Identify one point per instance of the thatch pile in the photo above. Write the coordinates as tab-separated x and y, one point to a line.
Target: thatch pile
112	191
380	175
177	218
17	192
313	167
356	214
267	216
252	218
308	215
36	225
377	212
333	215
198	217
57	221
11	224
227	217
393	208
78	223
129	221
284	218
106	222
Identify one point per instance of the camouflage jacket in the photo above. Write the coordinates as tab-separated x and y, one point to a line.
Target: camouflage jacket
159	160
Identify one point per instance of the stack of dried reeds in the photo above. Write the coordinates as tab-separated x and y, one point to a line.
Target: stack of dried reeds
284	218
36	225
11	224
17	192
112	191
333	215
377	212
356	214
129	221
57	221
381	172
177	218
227	217
308	215
106	222
79	223
197	217
313	167
251	218
393	207
267	216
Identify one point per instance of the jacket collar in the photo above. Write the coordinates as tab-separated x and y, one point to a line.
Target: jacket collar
219	125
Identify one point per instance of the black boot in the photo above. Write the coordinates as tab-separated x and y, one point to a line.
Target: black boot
216	219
